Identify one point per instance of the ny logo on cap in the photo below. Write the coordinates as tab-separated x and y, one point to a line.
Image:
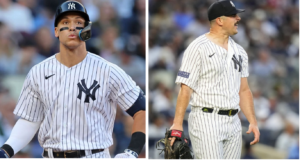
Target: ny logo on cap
71	6
232	4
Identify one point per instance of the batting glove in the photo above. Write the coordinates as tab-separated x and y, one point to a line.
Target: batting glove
128	154
3	154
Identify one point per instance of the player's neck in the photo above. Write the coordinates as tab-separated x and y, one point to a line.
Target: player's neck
219	38
71	57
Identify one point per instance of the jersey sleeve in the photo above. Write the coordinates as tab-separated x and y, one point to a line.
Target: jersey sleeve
188	73
29	105
245	72
123	89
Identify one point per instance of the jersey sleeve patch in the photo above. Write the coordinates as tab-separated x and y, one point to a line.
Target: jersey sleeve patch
183	74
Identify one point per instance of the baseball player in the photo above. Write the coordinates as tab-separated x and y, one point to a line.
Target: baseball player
213	74
72	96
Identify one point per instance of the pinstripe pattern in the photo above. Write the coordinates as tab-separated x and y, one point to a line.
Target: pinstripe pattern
215	136
69	123
215	83
215	75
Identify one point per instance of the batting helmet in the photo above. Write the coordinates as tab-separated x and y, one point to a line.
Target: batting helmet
74	6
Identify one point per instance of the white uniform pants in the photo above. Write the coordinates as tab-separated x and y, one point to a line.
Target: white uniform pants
215	136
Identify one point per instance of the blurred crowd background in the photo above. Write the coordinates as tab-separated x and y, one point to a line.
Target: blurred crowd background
27	38
268	31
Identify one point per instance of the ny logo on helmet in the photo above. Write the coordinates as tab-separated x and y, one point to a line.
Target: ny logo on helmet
82	88
71	6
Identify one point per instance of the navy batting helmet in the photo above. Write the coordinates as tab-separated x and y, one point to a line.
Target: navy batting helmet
74	6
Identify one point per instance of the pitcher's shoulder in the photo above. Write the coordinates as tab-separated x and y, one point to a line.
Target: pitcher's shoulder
199	41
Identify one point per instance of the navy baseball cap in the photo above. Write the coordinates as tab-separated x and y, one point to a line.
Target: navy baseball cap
222	8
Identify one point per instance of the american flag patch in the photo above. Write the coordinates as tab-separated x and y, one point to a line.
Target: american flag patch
183	74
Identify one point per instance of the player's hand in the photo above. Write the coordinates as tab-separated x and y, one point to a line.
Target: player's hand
128	154
175	127
3	154
255	130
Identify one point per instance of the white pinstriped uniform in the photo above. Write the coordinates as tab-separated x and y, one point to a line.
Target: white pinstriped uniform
215	79
76	105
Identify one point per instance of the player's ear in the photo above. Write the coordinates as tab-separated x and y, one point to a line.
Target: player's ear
220	20
56	32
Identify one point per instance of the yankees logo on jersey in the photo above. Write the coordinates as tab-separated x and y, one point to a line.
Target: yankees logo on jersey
212	73
237	62
76	105
82	88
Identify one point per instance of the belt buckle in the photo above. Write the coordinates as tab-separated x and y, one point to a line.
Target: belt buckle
230	112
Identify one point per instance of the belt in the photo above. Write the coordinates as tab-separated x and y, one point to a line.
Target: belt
230	112
71	154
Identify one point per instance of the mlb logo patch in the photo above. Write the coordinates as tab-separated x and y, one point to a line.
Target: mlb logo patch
183	74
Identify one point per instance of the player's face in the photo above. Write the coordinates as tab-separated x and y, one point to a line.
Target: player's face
66	29
231	24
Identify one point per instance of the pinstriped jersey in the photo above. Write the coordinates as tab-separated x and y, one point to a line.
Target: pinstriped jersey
213	73
77	105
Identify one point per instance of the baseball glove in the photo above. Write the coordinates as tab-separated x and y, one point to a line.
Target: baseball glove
180	148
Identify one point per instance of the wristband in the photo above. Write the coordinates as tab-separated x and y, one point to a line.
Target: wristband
8	150
137	142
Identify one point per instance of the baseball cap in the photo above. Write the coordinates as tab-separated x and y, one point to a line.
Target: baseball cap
222	8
